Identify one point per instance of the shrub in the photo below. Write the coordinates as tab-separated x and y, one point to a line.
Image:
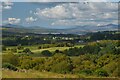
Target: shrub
92	49
19	47
10	58
86	72
3	48
57	51
116	73
14	50
46	53
27	64
101	73
39	47
62	67
60	63
9	66
39	67
27	50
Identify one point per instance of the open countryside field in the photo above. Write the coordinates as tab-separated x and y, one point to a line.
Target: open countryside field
60	40
35	49
55	48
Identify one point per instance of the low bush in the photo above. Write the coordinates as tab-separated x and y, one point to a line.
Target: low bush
9	66
101	73
46	53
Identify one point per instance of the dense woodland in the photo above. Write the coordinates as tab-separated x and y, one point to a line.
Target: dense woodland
99	57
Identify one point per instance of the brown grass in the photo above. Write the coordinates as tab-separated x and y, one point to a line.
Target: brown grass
34	74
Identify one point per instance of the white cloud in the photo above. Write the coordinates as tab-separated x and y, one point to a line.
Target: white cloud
14	20
55	12
62	22
76	10
80	13
7	5
89	22
30	19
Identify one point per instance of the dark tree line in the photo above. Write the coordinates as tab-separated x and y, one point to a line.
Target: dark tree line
14	39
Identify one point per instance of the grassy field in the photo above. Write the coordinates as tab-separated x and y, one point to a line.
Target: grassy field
35	74
50	49
35	49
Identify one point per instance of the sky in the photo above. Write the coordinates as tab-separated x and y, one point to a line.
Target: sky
60	0
60	15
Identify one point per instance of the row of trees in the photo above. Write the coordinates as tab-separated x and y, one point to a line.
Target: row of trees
101	47
62	44
14	39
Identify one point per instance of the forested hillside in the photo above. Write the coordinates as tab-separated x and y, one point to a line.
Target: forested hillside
96	59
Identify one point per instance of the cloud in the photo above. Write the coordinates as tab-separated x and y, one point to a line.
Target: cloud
89	22
62	0
14	20
68	0
30	19
55	12
68	14
76	10
7	5
96	0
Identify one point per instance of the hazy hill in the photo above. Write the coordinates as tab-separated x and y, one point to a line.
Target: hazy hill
76	30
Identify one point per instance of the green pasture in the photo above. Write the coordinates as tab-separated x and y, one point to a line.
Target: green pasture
35	49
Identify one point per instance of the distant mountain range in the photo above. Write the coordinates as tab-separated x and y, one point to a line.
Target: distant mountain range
42	30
